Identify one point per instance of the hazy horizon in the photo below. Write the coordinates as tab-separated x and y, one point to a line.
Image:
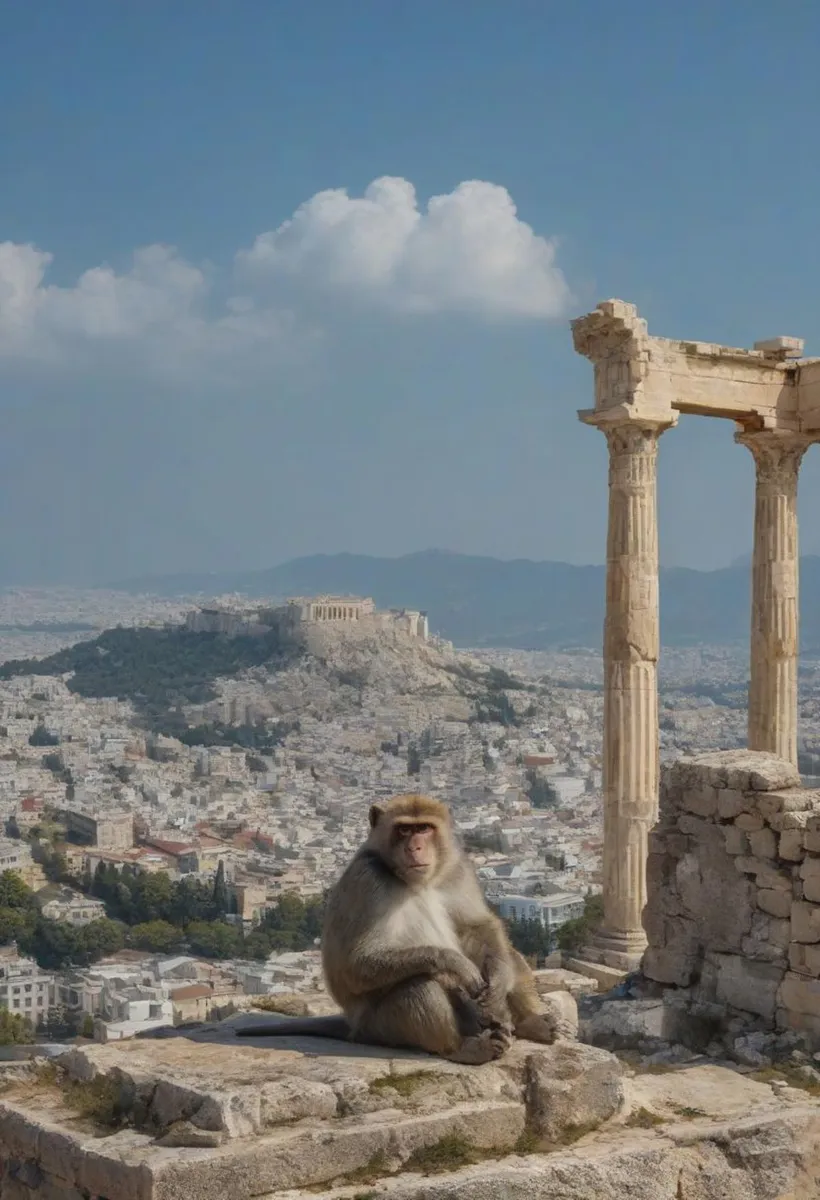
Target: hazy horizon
103	583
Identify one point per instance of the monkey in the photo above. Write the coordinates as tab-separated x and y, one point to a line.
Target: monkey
412	953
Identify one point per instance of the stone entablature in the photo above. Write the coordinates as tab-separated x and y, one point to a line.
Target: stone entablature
733	908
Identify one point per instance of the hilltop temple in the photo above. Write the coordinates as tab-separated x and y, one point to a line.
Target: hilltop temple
240	619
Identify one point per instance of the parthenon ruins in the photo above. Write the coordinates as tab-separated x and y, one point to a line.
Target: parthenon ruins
642	383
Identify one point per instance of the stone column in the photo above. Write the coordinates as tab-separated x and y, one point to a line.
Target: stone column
631	645
775	618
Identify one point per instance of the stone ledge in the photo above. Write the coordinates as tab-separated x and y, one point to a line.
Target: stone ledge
399	1119
773	1158
178	1119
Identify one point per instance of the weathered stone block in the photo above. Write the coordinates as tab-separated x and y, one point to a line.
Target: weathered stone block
768	876
571	1086
790	846
811	840
809	871
740	770
810	868
768	938
769	773
805	959
776	903
794	799
696	827
805	921
674	951
800	994
763	843
803	1023
730	803
749	986
737	842
751	822
702	801
677	844
789	820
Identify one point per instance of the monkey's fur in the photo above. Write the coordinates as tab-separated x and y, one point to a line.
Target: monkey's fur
411	952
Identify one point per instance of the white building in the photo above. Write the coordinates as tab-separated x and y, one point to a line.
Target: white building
24	988
124	999
551	911
14	856
64	904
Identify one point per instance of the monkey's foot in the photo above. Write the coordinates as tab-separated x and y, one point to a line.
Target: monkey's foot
538	1028
489	1045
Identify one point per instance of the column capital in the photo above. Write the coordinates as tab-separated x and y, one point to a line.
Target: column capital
613	328
777	453
621	425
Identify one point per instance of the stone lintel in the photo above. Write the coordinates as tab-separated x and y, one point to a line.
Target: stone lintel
782	347
808	383
653	376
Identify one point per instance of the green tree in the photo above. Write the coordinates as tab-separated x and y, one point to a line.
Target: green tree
220	896
540	792
40	736
16	924
257	945
59	1024
160	937
574	935
14	893
15	1029
100	938
214	939
152	894
413	759
87	1026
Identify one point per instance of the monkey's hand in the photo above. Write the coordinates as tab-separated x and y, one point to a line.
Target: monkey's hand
456	970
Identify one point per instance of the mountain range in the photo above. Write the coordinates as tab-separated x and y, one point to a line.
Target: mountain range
519	603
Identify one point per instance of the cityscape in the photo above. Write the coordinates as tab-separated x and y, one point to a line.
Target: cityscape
263	796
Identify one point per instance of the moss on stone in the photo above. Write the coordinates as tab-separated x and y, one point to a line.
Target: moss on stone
642	1118
98	1099
405	1085
447	1154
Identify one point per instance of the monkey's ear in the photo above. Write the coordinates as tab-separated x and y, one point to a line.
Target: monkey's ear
376	811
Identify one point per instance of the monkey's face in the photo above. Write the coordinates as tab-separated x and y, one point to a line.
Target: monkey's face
415	849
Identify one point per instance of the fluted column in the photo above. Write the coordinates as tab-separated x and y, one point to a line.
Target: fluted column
775	569
631	645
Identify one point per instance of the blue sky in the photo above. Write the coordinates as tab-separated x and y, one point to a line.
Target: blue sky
378	377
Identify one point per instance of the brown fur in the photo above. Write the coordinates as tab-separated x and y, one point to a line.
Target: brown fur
399	955
411	952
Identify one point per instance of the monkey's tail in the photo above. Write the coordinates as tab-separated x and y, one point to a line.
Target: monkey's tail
324	1027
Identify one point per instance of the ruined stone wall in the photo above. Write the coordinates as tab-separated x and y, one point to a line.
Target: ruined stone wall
733	880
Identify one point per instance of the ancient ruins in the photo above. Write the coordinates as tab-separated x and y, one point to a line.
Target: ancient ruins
642	383
240	618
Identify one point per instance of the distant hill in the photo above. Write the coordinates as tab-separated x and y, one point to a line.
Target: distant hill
518	603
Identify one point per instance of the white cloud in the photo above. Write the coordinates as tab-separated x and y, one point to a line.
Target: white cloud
467	252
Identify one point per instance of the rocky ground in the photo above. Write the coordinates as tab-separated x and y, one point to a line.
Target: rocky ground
351	669
203	1116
